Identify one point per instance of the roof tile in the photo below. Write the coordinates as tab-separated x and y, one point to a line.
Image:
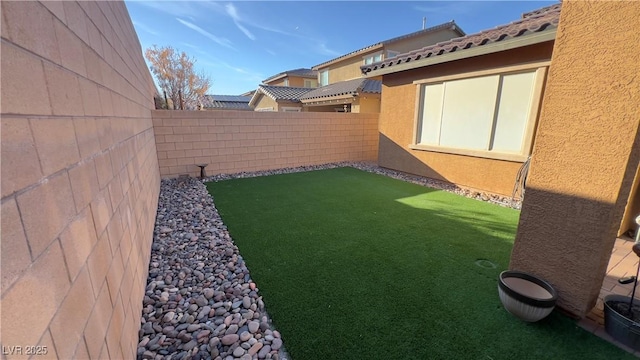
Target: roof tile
225	102
282	92
543	19
301	72
448	25
348	87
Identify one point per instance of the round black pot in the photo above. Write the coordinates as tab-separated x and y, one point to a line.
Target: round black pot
621	328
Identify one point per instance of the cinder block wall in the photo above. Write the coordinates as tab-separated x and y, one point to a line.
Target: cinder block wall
234	141
80	179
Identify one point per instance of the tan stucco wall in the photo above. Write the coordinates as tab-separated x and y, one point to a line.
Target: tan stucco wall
266	102
234	141
366	104
279	82
406	45
288	104
397	116
586	152
314	83
80	179
346	69
294	81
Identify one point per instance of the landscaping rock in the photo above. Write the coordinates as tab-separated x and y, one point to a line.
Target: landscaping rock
245	336
264	351
199	296
276	344
230	339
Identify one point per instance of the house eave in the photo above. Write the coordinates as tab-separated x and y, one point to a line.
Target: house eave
340	99
345	57
266	81
468	53
282	76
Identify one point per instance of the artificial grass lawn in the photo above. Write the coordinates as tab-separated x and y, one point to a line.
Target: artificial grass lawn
354	265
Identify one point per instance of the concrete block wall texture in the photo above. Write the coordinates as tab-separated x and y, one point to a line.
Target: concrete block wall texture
232	141
80	179
586	152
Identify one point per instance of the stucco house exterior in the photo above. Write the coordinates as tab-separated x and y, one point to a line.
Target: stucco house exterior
358	95
465	110
302	77
278	98
472	110
346	68
339	82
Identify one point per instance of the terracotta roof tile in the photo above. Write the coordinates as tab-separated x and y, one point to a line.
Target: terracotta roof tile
543	19
348	87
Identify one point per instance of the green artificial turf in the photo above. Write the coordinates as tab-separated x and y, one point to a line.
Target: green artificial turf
354	265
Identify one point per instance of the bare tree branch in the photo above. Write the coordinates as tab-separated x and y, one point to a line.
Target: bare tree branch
175	73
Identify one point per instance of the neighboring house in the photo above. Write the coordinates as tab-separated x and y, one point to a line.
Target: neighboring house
347	67
465	110
358	95
248	93
225	102
342	87
302	77
278	98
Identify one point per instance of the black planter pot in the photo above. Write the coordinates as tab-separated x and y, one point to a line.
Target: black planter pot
621	328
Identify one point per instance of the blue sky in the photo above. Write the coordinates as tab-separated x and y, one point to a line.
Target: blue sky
241	43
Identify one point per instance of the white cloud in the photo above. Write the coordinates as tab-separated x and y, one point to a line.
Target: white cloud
233	13
322	49
145	28
247	74
218	40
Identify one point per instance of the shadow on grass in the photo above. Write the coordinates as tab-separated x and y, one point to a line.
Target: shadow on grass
354	265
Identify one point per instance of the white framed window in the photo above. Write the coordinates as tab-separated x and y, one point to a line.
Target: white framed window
370	59
310	83
324	78
486	114
290	109
286	82
391	53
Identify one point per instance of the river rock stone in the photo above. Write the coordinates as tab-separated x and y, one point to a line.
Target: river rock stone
229	339
201	301
254	326
199	292
276	344
255	348
264	351
245	336
238	352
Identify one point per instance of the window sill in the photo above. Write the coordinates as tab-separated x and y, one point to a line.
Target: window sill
474	153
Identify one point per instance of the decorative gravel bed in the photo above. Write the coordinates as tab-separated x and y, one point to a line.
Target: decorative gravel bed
200	301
